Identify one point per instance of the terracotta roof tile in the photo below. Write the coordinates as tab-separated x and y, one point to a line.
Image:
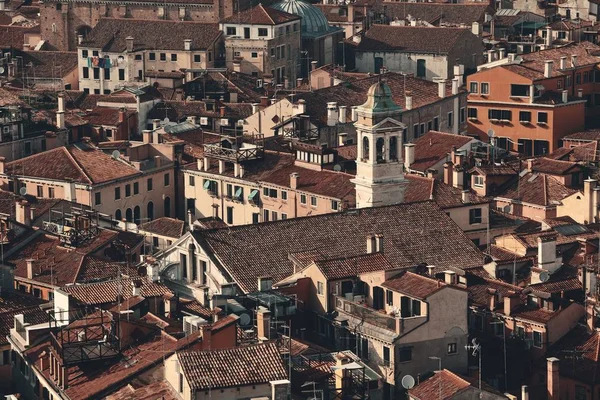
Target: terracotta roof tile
32	314
536	188
592	135
463	14
451	384
421	188
109	35
49	64
165	226
260	15
413	285
106	116
584	368
107	292
553	167
240	366
339	268
413	233
160	390
434	147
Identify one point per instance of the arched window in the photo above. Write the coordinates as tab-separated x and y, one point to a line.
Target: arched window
150	214
379	147
129	215
118	215
393	148
167	207
136	215
365	148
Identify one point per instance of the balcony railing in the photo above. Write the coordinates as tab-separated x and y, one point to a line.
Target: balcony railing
365	313
223	153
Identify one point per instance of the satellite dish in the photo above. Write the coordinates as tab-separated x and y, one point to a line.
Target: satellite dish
544	276
116	155
142	271
337	167
1	70
408	382
506	209
23	191
491	133
245	319
166	120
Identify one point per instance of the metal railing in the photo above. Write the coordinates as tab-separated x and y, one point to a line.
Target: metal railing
365	313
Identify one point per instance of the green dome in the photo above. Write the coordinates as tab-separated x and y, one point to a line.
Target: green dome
314	22
379	98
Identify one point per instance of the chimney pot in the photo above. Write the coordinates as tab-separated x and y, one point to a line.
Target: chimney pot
30	265
441	89
548	68
553	385
294	180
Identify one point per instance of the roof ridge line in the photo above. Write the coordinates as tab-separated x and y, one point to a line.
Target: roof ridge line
79	166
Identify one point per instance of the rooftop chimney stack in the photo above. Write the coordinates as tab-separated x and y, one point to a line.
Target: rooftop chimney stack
441	88
30	266
548	40
2	160
60	113
548	68
573	61
332	113
547	253
187	44
524	392
563	62
147	136
409	155
79	37
565	96
553	384
129	44
408	101
476	28
301	106
342	116
455	86
263	324
23	212
294	180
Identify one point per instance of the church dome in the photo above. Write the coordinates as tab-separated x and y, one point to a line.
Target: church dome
379	98
313	22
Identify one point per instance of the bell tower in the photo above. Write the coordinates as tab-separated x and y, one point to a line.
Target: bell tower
379	166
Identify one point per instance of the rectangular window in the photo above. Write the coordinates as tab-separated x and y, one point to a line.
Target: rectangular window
255	218
578	79
98	198
274	216
416	308
40	192
263	32
404	354
452	348
320	288
254	54
283	195
335	205
485	88
167	179
302	199
525	116
84	54
386	356
86	73
500	115
475	216
107	74
283	216
96	73
313	201
559	84
121	74
389	298
266	215
229	215
519	90
472	113
95	53
196	58
163	56
192	180
173	57
537	339
462	115
542	117
149	184
568	79
51	192
117	193
273	193
520	331
416	131
266	192
478	181
450	119
436	123
151	56
136	188
473	86
181	382
128	190
231	31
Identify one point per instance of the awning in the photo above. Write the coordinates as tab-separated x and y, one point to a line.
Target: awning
253	194
238	192
207	184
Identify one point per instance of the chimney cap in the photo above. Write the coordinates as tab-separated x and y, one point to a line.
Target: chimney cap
552	359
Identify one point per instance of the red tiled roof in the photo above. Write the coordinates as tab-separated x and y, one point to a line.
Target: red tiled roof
260	15
240	366
32	314
479	294
592	135
421	188
106	116
536	188
107	292
558	286
583	368
553	167
414	285
339	268
451	384
160	390
434	147
164	226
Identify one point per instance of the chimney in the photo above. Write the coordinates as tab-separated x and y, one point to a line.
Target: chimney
342	114
413	22
565	96
79	39
70	191
458	177
353	114
563	62
60	113
129	44
23	212
30	265
237	65
492	299
476	28
465	196
591	314
301	106
294	180
573	61
588	194
263	324
501	53
458	74
511	301
408	101
299	82
264	101
136	288
580	93
2	165
548	39
511	57
553	384
379	243
190	216
547	253
332	113
371	244
548	68
313	65
450	277
441	88
524	392
409	155
222	111
255	108
455	86
187	44
157	162
530	163
448	173
147	136
155	124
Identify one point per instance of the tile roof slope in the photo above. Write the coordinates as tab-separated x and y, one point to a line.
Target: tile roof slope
160	390
50	63
478	288
589	135
434	147
261	15
13	300
109	34
422	188
583	368
106	116
101	167
414	285
411	39
413	233
450	384
106	292
553	167
536	188
33	315
239	366
55	164
164	226
450	14
338	268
